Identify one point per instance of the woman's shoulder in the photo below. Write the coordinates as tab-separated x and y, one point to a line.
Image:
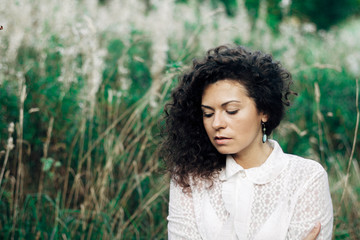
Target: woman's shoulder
303	174
304	167
304	162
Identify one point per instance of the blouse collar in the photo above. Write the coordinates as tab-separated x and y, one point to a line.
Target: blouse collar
269	170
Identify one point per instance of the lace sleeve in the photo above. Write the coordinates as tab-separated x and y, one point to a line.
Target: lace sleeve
181	219
313	205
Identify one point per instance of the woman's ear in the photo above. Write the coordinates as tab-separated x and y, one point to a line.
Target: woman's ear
264	117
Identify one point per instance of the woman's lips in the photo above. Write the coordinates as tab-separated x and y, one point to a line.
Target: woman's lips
221	140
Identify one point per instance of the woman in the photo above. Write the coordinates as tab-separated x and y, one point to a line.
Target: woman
228	180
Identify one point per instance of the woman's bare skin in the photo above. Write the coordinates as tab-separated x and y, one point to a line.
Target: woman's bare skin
314	232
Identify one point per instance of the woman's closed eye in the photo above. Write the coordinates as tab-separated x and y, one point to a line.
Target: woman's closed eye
232	112
207	115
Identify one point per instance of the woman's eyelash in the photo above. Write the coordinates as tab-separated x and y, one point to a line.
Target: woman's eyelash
232	112
207	115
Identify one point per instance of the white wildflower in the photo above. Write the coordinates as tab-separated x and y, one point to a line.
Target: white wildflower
353	63
11	128
10	143
309	27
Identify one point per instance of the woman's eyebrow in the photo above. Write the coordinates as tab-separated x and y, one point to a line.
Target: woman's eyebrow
224	104
231	101
208	107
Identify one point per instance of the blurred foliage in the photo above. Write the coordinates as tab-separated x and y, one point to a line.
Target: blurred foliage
325	13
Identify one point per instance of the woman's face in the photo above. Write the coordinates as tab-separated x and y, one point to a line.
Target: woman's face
231	119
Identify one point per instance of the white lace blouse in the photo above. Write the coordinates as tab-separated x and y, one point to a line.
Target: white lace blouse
281	199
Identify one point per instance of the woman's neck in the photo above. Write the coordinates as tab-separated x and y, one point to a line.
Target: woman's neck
254	157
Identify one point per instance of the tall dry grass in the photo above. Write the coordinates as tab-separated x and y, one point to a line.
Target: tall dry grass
85	84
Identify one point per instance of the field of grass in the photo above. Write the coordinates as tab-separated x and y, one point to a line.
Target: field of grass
82	89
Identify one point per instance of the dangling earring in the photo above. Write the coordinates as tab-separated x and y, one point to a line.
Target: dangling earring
264	137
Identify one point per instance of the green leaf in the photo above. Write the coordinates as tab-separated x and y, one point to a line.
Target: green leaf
47	163
57	164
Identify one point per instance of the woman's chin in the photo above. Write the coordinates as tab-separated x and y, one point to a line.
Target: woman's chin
223	151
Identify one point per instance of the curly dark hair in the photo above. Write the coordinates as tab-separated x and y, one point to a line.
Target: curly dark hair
186	149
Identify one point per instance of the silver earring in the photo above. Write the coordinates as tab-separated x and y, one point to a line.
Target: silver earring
264	137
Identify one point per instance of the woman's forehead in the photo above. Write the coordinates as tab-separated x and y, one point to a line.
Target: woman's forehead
224	91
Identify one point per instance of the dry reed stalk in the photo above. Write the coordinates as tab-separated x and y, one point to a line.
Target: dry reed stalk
353	147
117	219
56	216
80	156
151	218
95	200
90	231
137	180
320	119
134	118
127	195
45	152
93	213
153	163
20	152
81	144
142	208
9	147
327	66
107	131
68	166
99	156
88	175
83	220
103	175
76	189
131	149
143	145
102	183
93	68
321	123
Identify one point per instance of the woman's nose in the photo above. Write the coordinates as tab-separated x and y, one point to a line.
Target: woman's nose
218	122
